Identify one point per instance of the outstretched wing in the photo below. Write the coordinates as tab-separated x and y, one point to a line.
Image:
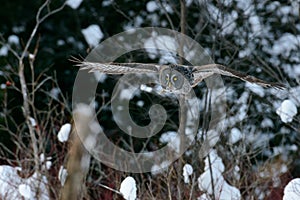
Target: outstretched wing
117	68
204	71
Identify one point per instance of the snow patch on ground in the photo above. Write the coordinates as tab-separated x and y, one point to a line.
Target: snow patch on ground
128	188
222	189
12	186
292	190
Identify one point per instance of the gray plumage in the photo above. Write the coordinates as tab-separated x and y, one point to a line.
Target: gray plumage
176	78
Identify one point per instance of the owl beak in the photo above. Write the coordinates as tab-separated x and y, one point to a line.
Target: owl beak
169	84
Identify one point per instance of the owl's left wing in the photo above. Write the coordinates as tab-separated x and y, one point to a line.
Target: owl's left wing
204	71
117	68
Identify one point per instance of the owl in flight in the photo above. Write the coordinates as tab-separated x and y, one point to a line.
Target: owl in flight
175	78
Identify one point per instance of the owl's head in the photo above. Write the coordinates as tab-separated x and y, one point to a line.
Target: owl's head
173	80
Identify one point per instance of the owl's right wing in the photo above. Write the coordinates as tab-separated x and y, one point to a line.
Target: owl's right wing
204	71
117	68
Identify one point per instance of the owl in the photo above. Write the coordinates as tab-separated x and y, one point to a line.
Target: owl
174	78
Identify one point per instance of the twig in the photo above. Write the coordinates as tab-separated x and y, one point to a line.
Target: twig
27	100
182	103
111	189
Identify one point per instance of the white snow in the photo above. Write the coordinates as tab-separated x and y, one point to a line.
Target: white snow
151	6
32	121
63	134
92	35
255	24
235	135
212	136
47	161
140	103
156	43
187	171
294	94
287	111
4	50
146	88
54	92
12	186
128	188
292	190
226	20
74	3
25	191
285	44
204	197
160	168
13	39
3	86
222	189
62	175
267	123
128	93
100	77
257	89
172	139
31	56
60	42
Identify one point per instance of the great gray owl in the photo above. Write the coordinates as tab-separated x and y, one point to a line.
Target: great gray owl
175	78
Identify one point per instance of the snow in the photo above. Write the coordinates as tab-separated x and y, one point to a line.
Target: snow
255	24
13	39
3	86
285	44
100	77
222	189
12	186
32	121
151	6
204	197
74	3
257	89
294	94
92	35
25	191
212	137
60	42
18	29
226	20
128	188
47	161
54	92
127	93
156	43
235	135
267	123
246	6
287	111
160	168
63	134
62	175
31	56
140	103
4	50
292	190
187	171
172	139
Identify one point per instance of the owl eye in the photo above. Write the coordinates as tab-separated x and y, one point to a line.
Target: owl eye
175	78
167	77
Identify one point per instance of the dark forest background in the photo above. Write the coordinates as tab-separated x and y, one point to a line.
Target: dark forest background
261	38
